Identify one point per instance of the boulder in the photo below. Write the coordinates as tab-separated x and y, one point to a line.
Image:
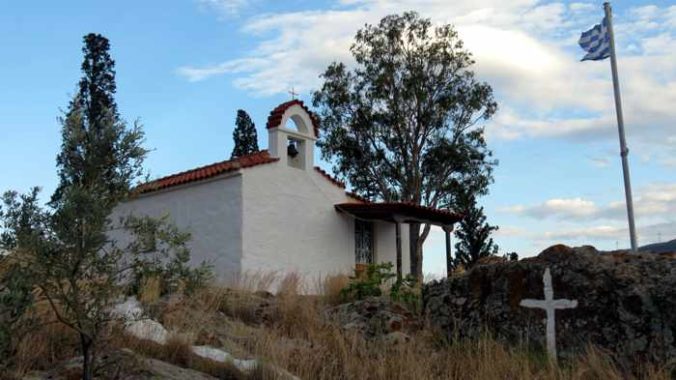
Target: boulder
626	303
373	317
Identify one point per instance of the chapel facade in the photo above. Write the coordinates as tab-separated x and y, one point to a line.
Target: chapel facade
275	211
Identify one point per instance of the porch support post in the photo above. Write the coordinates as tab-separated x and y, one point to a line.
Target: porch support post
398	233
449	268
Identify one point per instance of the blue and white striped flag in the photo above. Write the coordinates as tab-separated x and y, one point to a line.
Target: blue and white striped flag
596	42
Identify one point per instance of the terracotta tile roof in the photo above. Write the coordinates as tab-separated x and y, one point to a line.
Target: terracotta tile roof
341	184
276	114
406	212
331	178
209	171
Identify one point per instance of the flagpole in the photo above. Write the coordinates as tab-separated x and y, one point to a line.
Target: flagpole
624	151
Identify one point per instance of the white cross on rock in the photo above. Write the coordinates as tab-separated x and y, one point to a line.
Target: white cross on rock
549	304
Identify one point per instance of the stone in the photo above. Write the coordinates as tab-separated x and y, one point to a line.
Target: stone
128	309
626	303
147	329
373	317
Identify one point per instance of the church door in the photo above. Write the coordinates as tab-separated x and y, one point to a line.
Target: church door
363	242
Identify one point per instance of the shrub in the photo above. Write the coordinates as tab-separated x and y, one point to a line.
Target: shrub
368	284
407	292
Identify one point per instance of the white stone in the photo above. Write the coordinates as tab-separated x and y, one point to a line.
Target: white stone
244	365
550	305
212	353
130	309
147	329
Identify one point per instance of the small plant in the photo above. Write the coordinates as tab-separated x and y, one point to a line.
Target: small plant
369	283
407	292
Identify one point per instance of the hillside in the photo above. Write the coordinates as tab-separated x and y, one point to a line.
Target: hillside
246	332
667	246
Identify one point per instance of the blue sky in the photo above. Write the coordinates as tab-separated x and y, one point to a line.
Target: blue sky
185	67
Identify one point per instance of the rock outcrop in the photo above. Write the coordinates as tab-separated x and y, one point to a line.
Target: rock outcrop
626	303
375	317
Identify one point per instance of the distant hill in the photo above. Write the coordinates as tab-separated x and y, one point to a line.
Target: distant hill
668	246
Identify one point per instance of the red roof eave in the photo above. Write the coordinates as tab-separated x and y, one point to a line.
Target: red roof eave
275	117
401	212
206	172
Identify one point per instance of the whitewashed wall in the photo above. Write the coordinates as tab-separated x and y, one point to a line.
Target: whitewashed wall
210	210
268	219
290	224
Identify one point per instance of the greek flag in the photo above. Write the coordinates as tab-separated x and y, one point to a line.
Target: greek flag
596	42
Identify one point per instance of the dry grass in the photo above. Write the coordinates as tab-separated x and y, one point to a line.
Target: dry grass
331	287
301	341
178	351
288	331
150	291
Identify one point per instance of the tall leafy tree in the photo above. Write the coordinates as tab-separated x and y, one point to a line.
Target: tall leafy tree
244	135
403	125
474	237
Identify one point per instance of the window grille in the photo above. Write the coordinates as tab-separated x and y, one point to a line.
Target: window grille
363	242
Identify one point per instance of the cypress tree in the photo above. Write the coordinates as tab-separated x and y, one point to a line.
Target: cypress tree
474	235
244	136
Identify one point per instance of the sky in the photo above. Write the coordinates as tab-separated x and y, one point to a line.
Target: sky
184	67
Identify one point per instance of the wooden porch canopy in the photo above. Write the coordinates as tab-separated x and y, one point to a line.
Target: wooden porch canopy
398	213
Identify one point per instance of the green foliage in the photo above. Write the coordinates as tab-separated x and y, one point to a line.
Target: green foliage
100	158
16	299
244	135
474	236
407	292
67	249
21	223
403	125
368	283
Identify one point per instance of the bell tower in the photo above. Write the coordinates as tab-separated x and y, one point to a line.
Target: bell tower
295	146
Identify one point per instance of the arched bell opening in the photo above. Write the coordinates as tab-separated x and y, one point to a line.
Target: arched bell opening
292	135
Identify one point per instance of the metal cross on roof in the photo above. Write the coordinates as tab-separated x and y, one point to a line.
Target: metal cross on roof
293	94
549	304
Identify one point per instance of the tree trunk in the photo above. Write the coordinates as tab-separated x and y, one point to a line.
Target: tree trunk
416	251
87	346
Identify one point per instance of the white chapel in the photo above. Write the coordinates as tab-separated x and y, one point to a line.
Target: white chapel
275	211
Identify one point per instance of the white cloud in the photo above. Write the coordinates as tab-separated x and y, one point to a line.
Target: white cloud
582	7
527	50
224	8
586	234
195	74
510	231
600	162
656	201
646	234
562	208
